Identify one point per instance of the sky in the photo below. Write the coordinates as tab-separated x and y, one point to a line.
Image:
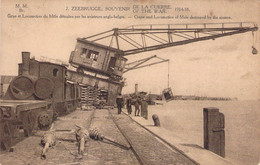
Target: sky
224	67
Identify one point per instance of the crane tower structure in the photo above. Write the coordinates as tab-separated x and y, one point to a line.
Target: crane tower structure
101	59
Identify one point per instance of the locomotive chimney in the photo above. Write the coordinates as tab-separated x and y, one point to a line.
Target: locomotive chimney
26	62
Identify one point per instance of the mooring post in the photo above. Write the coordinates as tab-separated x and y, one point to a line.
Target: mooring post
214	133
156	120
144	109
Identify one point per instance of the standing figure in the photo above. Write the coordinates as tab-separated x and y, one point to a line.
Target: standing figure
119	102
137	109
129	106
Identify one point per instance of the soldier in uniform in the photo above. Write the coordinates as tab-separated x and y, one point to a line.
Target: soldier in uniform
129	106
119	102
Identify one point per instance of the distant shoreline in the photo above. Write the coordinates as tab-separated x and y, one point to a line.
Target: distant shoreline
181	97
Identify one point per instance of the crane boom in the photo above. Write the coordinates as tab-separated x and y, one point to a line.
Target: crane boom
141	38
138	64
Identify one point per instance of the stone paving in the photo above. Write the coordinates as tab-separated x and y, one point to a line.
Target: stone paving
146	145
103	152
28	151
179	141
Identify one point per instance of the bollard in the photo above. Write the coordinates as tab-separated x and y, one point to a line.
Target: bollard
144	109
214	133
156	120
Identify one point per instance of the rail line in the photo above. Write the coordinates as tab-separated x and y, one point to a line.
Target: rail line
164	141
141	149
122	122
140	160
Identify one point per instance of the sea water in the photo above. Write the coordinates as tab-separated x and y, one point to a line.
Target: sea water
242	125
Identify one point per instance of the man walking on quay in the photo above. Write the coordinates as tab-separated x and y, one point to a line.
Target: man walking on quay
137	109
119	102
129	106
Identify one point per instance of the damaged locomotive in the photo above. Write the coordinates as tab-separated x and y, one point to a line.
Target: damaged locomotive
39	94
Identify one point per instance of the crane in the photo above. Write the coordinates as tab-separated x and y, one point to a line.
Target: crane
142	38
103	55
163	36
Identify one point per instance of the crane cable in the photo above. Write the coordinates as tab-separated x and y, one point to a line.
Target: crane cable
168	73
168	85
254	51
253	37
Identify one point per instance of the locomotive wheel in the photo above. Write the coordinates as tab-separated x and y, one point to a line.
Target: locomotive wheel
44	121
44	88
27	123
22	87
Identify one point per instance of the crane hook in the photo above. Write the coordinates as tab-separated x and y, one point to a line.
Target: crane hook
254	51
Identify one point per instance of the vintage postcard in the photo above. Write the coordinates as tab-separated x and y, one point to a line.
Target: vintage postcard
189	68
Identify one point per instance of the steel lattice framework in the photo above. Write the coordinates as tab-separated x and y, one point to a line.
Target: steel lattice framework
141	38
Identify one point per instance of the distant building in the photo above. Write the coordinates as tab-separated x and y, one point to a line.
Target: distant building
5	81
155	96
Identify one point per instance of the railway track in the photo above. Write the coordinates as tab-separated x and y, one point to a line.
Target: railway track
139	158
140	146
147	147
144	147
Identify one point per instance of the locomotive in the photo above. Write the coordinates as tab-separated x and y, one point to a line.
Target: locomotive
37	96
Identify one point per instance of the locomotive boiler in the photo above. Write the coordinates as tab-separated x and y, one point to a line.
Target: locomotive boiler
39	94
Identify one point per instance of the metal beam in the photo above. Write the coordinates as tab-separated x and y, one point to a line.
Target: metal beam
161	46
187	33
139	63
97	34
141	60
148	65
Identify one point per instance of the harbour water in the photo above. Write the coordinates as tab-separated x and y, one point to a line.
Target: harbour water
242	125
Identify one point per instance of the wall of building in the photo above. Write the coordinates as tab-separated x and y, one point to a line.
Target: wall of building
5	81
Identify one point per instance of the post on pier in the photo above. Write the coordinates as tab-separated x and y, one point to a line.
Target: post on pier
144	109
214	133
156	120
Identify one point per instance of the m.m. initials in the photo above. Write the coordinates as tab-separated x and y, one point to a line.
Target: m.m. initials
20	5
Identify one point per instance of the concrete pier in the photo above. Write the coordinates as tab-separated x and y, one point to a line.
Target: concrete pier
141	147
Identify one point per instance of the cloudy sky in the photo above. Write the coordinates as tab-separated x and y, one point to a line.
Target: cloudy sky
224	67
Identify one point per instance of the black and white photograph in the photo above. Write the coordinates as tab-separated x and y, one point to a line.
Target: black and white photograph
142	82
